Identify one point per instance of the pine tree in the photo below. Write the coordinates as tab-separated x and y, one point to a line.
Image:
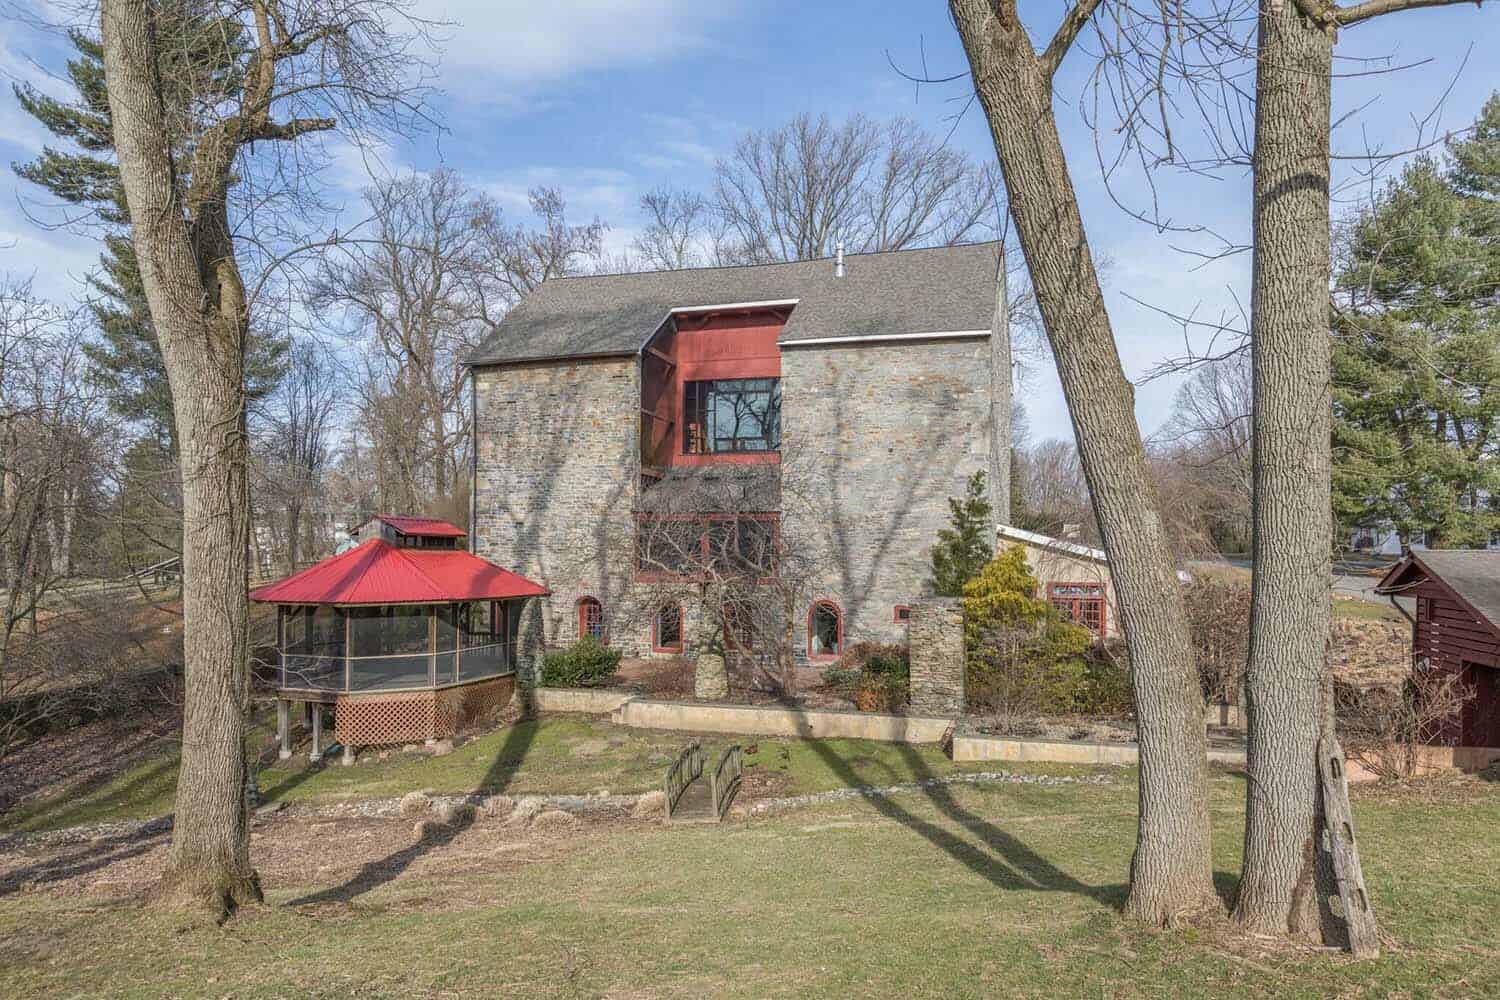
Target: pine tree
963	549
127	359
1417	349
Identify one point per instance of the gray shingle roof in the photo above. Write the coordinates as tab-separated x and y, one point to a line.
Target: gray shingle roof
937	290
1473	573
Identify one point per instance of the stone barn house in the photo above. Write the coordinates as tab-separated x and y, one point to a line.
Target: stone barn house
633	429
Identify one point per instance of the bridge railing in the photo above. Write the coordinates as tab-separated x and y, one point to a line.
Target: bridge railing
687	769
725	779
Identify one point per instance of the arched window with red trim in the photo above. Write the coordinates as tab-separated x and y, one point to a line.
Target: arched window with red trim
825	631
590	618
666	629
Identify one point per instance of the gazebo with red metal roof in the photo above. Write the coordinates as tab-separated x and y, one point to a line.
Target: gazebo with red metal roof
407	635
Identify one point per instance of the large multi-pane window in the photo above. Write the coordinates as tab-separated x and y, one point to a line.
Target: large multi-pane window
697	546
732	415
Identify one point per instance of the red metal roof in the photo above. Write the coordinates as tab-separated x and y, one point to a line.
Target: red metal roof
377	572
421	527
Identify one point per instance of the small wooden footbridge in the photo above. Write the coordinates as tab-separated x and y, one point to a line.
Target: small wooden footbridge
698	794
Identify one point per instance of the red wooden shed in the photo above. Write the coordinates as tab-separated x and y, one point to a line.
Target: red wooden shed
406	636
1457	627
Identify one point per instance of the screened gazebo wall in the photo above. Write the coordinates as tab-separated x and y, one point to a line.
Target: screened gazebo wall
396	647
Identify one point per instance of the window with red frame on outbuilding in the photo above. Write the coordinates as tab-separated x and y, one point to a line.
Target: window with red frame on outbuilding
1081	603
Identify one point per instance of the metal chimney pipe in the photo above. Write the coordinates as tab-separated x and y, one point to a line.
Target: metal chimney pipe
838	261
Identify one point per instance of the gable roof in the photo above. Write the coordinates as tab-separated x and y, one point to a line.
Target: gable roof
1472	574
377	572
903	292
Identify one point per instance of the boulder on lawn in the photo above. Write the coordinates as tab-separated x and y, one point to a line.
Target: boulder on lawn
523	809
554	819
651	804
416	804
457	813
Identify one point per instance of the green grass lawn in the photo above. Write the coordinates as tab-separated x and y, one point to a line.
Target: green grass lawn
556	755
1353	607
971	891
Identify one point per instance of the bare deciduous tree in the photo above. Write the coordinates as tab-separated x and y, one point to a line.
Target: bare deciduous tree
300	68
682	230
53	426
795	192
439	266
295	449
1171	870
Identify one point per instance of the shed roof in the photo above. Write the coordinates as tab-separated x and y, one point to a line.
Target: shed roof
1038	540
377	572
419	527
935	290
1472	574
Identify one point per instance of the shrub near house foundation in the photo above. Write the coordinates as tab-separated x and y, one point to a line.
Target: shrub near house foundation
876	677
1023	657
586	663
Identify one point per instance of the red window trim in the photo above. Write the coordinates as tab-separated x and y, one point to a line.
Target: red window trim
896	614
661	576
584	603
1077	601
657	647
812	612
735	638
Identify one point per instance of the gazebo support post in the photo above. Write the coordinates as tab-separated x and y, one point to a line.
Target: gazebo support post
284	727
317	733
348	755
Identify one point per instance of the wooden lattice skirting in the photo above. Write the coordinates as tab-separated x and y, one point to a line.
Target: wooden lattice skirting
361	720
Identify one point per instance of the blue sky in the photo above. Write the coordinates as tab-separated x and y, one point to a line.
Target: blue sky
606	99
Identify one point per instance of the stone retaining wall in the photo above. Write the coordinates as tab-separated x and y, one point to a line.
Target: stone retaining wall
979	747
753	720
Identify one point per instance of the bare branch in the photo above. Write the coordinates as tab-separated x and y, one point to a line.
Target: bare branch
1067	32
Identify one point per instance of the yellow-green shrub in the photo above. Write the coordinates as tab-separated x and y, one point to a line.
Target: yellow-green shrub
1023	656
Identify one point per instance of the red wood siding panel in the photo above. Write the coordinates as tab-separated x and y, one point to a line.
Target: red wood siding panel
723	346
1481	721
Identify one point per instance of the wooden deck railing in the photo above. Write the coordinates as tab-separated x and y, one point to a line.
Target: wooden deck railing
687	769
725	779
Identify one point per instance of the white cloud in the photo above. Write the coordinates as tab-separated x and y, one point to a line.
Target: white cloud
501	49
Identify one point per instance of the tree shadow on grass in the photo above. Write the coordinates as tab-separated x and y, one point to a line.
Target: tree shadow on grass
374	874
1003	860
97	854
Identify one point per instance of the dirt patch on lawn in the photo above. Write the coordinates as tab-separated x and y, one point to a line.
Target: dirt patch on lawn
327	861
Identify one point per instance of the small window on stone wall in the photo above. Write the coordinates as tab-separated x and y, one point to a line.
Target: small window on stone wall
825	631
666	632
590	618
903	613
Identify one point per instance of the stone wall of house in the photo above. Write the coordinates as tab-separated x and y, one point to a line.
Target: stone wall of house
876	437
557	473
937	657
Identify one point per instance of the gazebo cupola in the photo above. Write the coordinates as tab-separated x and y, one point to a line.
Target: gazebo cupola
407	635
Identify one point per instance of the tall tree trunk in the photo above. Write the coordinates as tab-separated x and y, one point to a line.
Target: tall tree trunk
198	309
1171	873
1000	399
294	533
439	464
1290	510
